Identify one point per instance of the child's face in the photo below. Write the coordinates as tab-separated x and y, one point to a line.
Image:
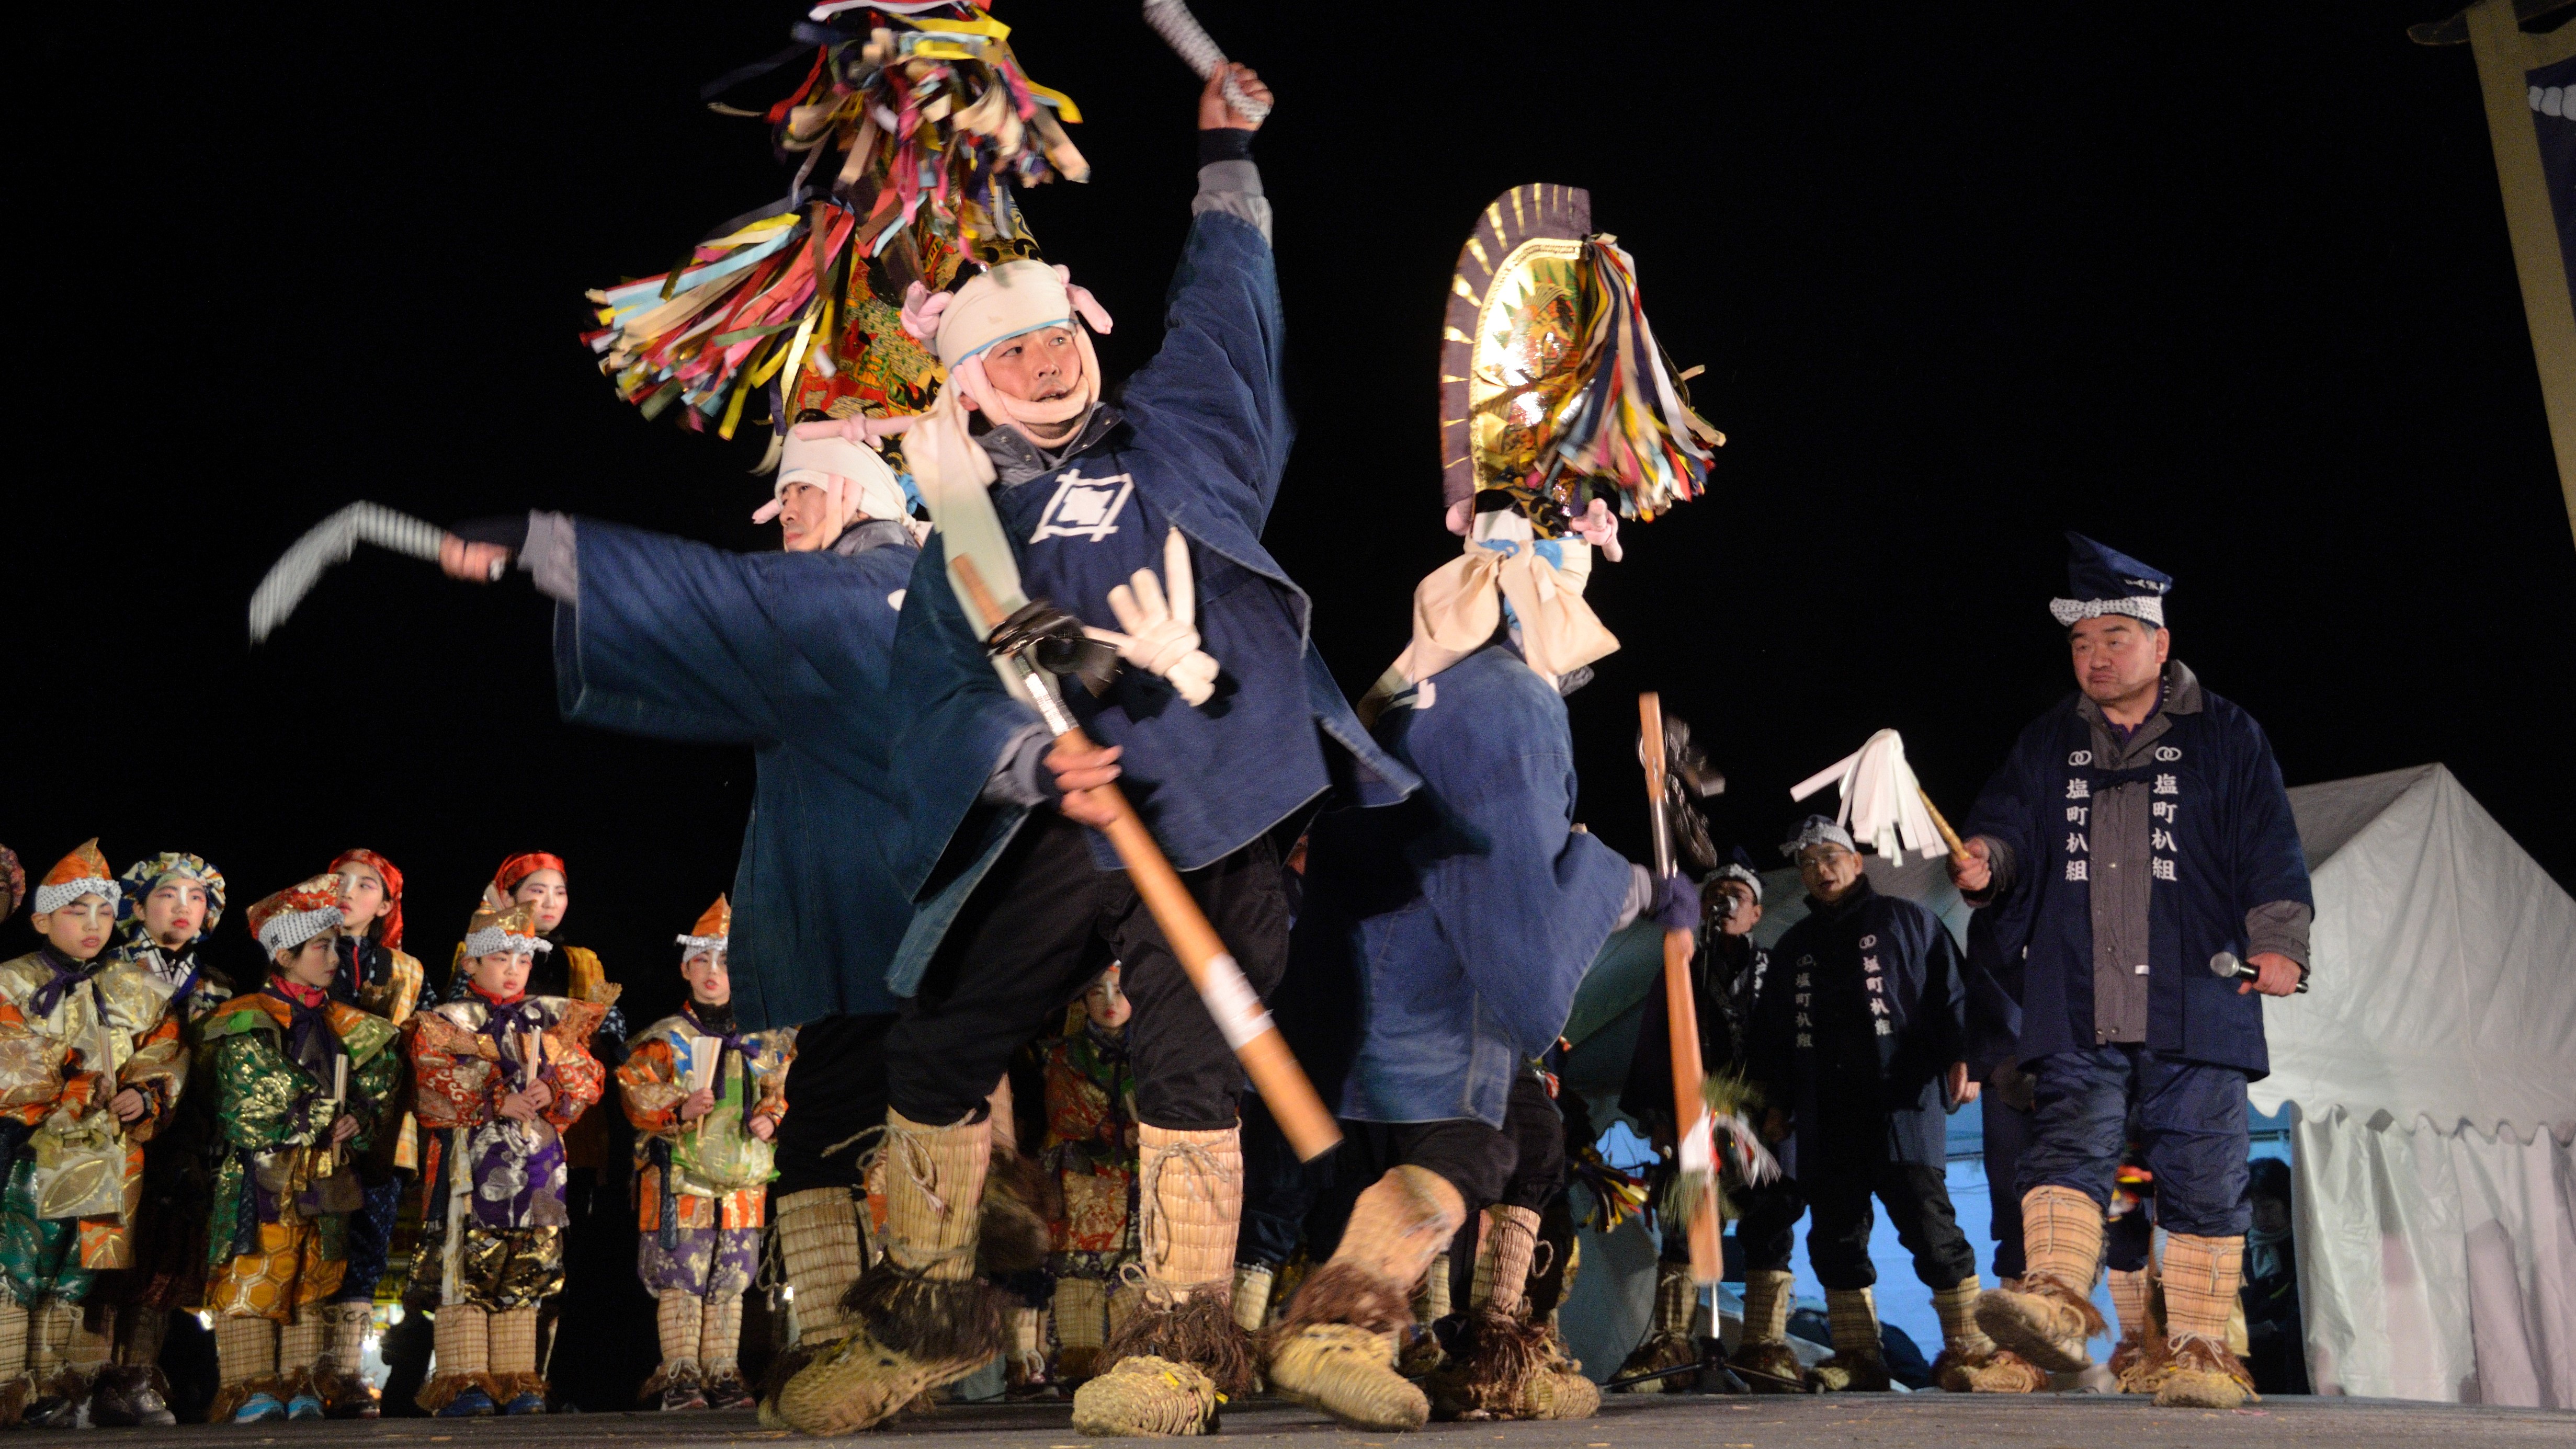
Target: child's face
546	897
314	962
710	984
362	896
78	930
501	975
1105	1004
174	912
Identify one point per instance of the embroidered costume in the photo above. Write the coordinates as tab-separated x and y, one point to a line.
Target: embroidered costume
71	1171
378	977
493	1210
1089	1147
702	1186
289	1062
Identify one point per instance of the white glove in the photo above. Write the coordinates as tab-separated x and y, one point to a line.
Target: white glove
1159	637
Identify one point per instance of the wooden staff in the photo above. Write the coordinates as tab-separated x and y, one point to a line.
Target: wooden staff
1949	837
1696	1142
1283	1085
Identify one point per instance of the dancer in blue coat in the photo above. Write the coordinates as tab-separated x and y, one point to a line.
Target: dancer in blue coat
2143	825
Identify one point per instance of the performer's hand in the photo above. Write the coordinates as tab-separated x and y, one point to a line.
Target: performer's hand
1961	1090
700	1103
343	1128
2280	975
129	1105
476	563
542	1095
1081	767
1976	872
764	1128
1775	1125
518	1107
1215	114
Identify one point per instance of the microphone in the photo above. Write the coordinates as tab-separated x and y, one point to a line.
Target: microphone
2226	966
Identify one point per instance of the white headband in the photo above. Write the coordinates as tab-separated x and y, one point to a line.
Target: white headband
290	929
699	944
492	941
851	474
2149	607
50	898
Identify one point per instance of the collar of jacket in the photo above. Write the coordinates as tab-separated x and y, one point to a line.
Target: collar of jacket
873	533
1016	460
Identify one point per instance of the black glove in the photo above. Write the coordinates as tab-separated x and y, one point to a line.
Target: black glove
510	530
1676	903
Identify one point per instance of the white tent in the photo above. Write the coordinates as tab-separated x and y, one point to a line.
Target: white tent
2434	1069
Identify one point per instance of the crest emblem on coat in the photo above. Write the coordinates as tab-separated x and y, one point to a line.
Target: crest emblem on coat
1084	507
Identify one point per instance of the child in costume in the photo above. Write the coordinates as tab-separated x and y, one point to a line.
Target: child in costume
497	1077
706	1101
1090	1147
304	1081
72	1173
157	994
376	976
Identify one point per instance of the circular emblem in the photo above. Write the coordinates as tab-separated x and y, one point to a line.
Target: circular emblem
2080	757
2168	753
1868	941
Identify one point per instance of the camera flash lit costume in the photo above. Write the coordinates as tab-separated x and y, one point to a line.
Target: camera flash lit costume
378	977
493	1211
289	1063
702	1186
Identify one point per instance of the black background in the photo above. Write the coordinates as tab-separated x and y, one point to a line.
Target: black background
2229	289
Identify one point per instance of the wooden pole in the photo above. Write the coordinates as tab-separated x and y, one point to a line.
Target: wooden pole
1283	1085
1694	1140
1949	837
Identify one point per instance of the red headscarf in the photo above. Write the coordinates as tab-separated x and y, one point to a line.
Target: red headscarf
392	936
519	867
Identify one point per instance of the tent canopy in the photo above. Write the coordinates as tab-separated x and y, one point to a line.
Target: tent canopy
2444	984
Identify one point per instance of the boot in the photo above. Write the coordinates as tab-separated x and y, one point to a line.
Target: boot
1859	1363
676	1382
1668	1335
2200	1282
299	1348
131	1392
1252	1295
1508	1356
2048	1316
62	1388
924	1320
1420	1353
462	1387
246	1357
340	1377
1335	1351
1081	1327
1189	1198
719	1354
1026	1365
1763	1354
516	1386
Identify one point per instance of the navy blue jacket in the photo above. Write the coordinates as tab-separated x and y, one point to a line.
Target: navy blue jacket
787	653
1861	1054
1204	436
2232	846
1442	941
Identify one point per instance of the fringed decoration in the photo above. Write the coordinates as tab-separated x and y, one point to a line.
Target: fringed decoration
1627	422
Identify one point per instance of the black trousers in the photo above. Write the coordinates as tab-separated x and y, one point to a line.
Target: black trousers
1037	929
1766	1229
1918	1203
836	1091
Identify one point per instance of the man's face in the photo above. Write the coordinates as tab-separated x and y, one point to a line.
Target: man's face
2116	657
805	521
1730	904
501	975
362	896
710	984
1039	366
174	911
2271	1215
313	963
1828	871
79	930
546	897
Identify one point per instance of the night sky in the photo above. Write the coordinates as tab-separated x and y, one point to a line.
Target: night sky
2230	291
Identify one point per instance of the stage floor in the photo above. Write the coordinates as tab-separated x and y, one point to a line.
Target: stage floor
1863	1421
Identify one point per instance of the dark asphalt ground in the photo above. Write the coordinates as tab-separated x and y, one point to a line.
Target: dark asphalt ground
1920	1421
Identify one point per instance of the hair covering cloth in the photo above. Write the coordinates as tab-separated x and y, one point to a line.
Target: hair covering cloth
711	931
1817	830
511	927
393	931
2103	580
519	867
851	474
84	872
1458	606
296	914
1008	301
145	876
